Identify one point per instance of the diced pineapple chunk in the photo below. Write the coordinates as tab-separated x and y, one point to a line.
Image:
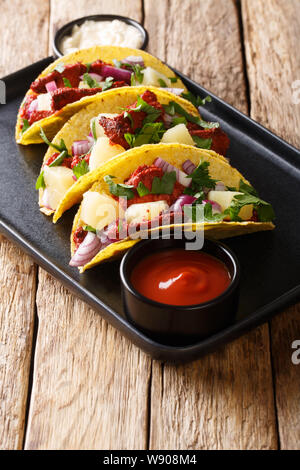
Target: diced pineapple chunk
98	210
103	151
58	179
44	101
151	77
97	126
83	85
177	134
224	198
137	213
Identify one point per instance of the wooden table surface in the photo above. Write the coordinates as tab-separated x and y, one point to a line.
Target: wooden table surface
68	380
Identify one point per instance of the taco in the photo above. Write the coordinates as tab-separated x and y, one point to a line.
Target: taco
71	82
115	122
159	183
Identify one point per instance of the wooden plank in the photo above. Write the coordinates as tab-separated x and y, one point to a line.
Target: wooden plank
224	401
24	33
18	272
272	35
90	385
63	12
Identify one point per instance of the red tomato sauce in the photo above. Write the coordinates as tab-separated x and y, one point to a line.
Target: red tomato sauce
180	277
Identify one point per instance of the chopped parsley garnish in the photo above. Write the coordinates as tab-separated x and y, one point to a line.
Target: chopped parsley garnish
202	143
165	184
117	189
26	125
60	67
90	81
94	132
174	107
142	189
173	79
60	147
59	159
80	169
130	139
108	83
67	82
150	133
162	83
137	75
178	120
89	228
196	100
264	210
128	115
40	182
200	179
88	66
152	112
209	216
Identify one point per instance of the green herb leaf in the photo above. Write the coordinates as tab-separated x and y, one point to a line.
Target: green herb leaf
162	83
90	81
202	143
173	79
130	139
94	132
40	182
89	228
246	188
67	82
108	83
120	190
60	147
152	112
264	209
209	216
59	159
196	100
201	178
151	133
88	66
128	115
60	67
137	76
26	125
142	189
164	185
173	107
80	169
178	120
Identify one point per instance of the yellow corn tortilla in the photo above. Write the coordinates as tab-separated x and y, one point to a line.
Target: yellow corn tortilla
78	127
175	154
52	124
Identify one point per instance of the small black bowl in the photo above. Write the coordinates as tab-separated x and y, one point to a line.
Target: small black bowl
179	325
67	29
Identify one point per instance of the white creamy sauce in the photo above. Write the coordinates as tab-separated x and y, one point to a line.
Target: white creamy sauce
101	33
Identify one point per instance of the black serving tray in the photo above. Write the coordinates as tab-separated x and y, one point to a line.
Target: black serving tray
270	261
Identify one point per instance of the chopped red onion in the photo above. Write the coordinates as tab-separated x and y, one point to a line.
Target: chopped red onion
181	177
45	199
183	200
188	167
80	147
86	250
168	119
118	74
51	86
95	76
134	60
32	107
74	177
216	208
175	91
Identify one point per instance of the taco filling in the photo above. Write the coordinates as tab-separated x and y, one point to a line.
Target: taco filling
146	121
71	82
157	194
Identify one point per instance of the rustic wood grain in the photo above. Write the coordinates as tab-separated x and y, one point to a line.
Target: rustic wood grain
24	33
20	35
224	401
63	12
202	40
17	291
90	385
273	64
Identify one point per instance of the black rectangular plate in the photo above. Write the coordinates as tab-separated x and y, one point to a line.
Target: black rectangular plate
270	261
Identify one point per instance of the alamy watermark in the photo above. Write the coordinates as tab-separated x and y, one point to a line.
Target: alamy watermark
2	92
296	353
